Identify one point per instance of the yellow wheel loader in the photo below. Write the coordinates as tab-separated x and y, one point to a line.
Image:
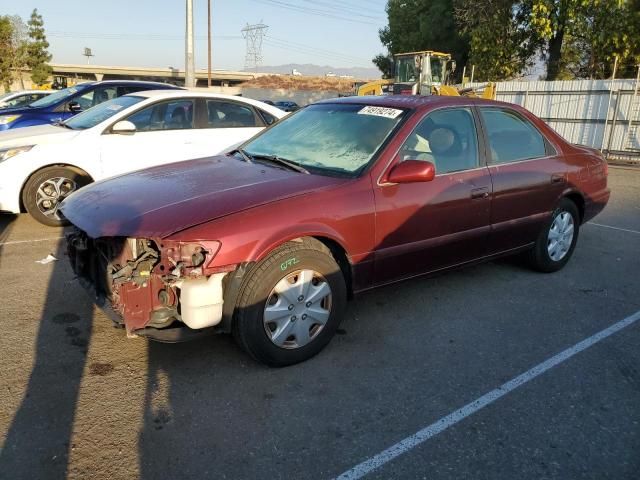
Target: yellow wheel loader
423	73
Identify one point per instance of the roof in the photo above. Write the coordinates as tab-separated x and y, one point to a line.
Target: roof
127	82
22	92
183	93
412	101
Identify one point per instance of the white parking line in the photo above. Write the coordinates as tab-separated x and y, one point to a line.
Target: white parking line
613	228
15	242
434	429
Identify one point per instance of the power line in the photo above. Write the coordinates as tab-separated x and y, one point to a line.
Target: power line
344	9
302	48
313	11
132	36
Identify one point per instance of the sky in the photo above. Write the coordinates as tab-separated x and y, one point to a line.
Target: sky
338	33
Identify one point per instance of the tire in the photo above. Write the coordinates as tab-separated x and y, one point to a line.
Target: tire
544	257
58	183
283	342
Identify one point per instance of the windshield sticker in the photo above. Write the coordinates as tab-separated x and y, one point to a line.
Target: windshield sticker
380	111
114	107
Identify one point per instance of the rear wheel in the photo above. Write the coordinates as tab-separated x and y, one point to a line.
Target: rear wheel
291	304
558	238
47	188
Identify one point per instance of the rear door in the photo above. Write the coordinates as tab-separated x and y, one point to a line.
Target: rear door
223	125
528	177
427	226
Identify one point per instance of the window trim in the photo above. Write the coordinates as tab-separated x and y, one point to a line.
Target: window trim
549	149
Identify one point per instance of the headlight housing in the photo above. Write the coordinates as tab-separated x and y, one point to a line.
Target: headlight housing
7	153
6	119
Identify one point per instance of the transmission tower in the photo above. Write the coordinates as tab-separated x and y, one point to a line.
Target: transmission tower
253	35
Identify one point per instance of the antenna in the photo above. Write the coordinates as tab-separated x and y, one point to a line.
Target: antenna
254	34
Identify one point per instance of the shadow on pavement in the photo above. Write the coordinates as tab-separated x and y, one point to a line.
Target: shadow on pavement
37	442
6	225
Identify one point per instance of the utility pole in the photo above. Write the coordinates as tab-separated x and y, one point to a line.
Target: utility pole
189	61
209	43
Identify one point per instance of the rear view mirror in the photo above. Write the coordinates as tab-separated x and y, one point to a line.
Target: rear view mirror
411	171
124	127
74	107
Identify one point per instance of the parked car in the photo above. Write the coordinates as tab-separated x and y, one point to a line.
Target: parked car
269	241
66	103
287	106
39	166
22	98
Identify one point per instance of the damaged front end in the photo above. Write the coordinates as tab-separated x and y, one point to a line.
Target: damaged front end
166	290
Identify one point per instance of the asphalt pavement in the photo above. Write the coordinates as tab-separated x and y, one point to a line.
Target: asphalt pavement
80	400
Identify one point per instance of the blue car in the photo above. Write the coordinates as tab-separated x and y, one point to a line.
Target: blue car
63	104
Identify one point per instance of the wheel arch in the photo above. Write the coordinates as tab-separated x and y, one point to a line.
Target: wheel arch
328	239
578	199
76	169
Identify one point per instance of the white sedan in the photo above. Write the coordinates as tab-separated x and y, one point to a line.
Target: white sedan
22	98
41	165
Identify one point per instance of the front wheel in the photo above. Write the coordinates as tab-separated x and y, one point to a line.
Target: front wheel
291	304
558	238
46	188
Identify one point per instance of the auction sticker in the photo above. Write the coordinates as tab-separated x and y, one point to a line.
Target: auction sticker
380	111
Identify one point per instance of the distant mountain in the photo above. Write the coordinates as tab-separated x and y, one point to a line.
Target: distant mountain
320	71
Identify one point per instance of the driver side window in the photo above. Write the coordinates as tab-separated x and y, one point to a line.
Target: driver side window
447	138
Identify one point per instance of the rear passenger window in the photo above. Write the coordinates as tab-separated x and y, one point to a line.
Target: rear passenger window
511	138
447	138
230	115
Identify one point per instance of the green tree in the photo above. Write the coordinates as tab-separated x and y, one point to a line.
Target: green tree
37	54
421	25
6	52
502	43
583	37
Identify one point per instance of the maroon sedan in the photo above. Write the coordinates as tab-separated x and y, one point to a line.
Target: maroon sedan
269	241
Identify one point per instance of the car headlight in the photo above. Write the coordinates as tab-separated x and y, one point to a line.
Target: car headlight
6	119
7	153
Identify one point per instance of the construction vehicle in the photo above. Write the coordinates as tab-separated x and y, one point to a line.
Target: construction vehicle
423	73
59	82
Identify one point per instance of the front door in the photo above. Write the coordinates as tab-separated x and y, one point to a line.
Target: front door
424	227
164	133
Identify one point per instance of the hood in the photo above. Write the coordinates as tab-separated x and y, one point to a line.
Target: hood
163	200
36	135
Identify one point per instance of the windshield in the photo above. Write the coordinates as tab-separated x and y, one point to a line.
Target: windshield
5	95
406	69
101	112
436	70
55	97
328	137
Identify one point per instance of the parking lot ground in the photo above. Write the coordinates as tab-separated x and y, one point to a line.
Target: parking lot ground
79	400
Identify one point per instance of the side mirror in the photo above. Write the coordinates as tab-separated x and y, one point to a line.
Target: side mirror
124	127
74	107
411	171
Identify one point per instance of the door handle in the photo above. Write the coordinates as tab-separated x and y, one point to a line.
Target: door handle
557	178
482	192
